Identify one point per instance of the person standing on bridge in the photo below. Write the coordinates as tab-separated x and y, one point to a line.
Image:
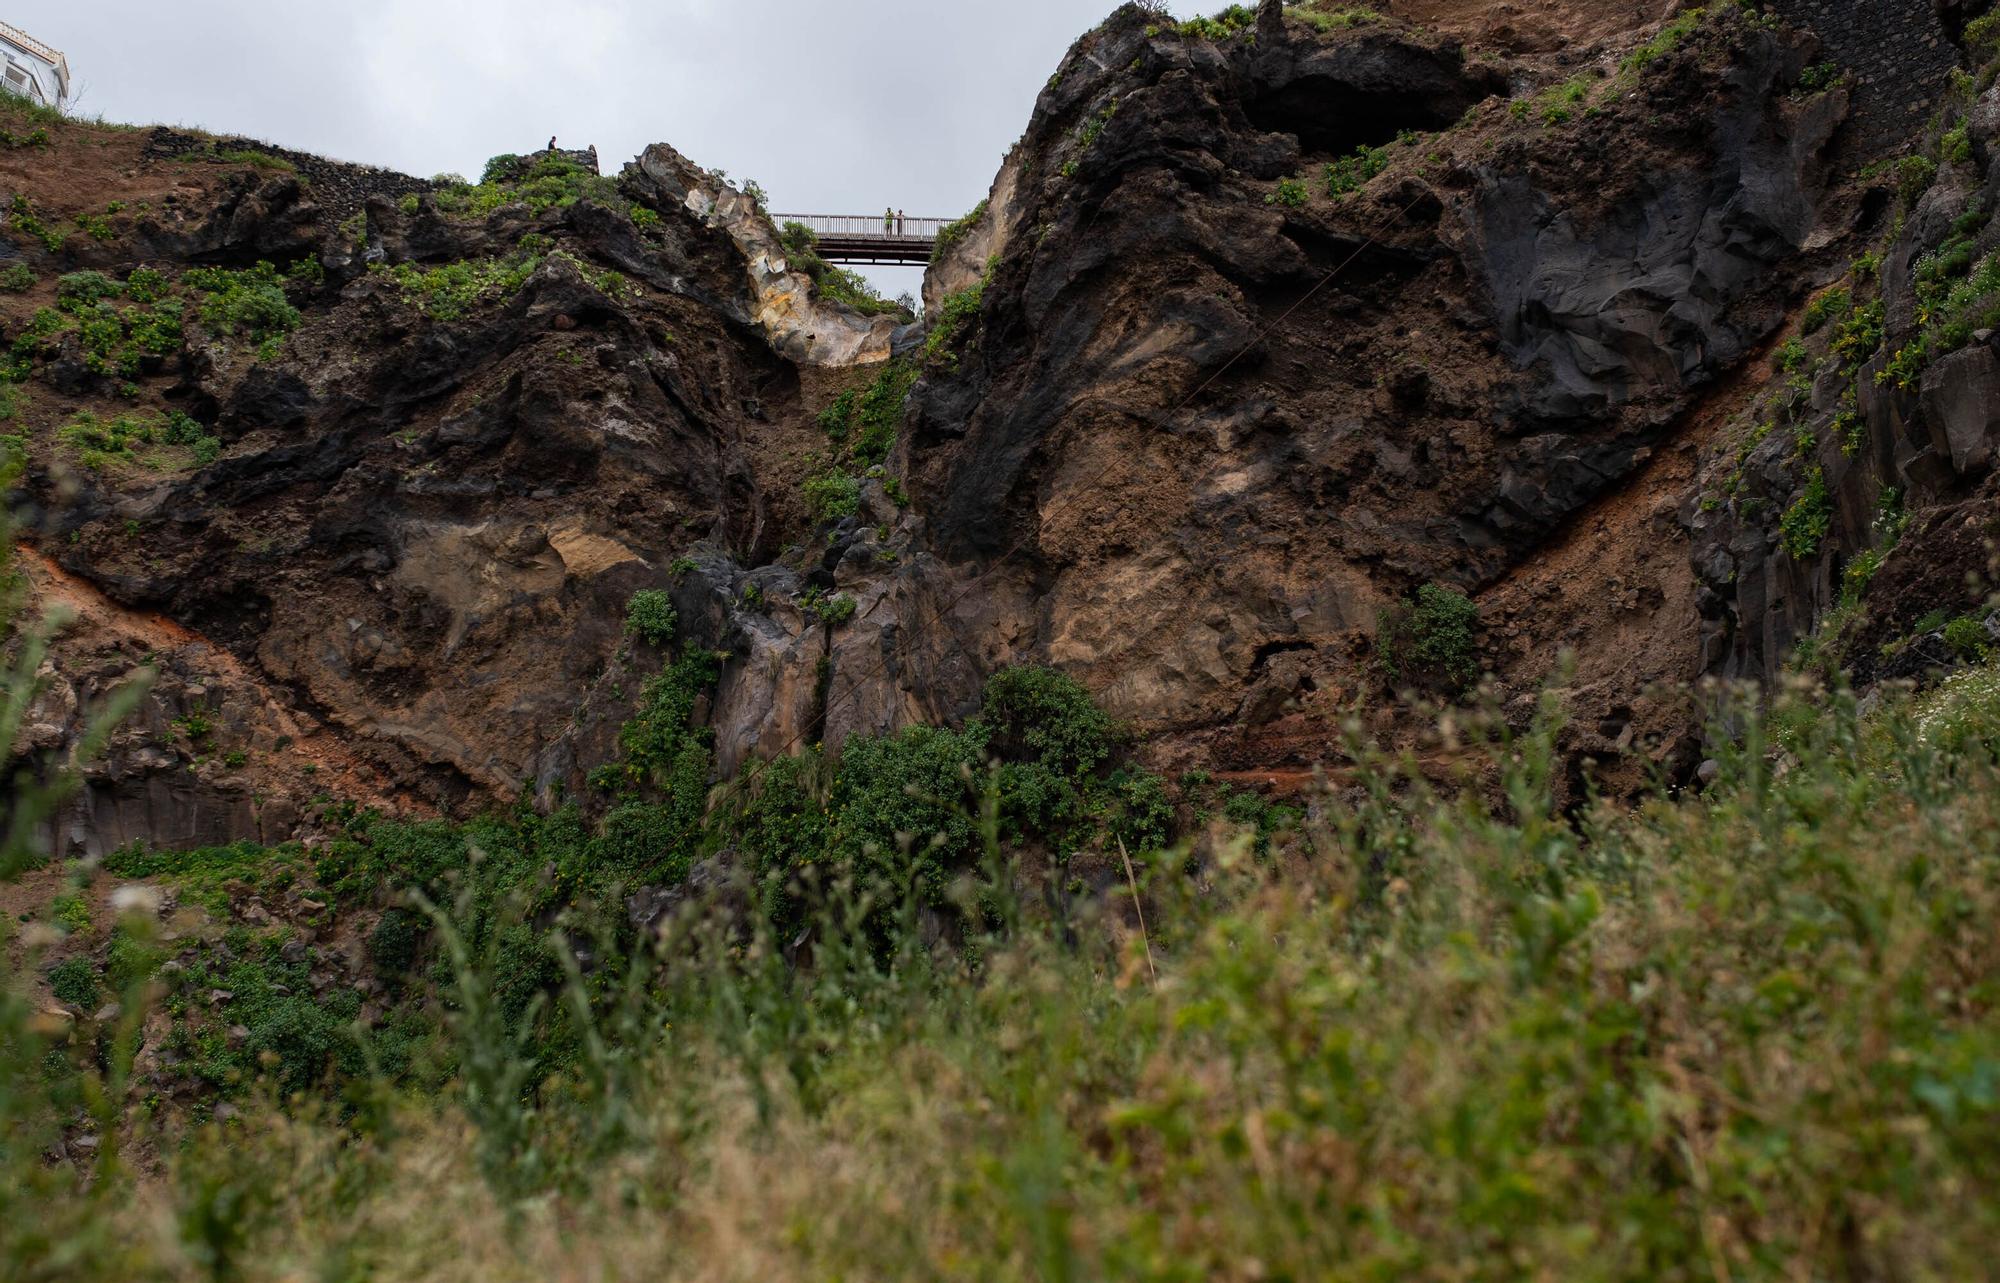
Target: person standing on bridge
899	222
888	220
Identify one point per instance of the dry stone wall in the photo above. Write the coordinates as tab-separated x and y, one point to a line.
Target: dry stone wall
1896	52
339	188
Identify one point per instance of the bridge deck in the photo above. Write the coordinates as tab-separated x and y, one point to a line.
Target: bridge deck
865	238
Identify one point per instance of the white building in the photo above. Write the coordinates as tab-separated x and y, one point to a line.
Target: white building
33	70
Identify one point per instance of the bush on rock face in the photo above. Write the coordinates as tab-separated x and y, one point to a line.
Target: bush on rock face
1431	639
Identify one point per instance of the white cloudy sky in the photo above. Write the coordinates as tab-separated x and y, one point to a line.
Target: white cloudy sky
834	105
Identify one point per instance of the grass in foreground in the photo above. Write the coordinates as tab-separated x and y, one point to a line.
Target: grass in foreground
1749	1035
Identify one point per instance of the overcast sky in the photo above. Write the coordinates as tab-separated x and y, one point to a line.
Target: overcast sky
836	106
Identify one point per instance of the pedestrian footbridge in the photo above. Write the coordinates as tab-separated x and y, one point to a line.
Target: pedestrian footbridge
870	238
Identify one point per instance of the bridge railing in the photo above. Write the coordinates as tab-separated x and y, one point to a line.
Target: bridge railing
870	226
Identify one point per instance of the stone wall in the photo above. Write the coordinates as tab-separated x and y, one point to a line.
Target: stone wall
339	188
516	167
1897	53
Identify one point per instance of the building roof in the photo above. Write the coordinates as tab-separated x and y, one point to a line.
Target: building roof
51	56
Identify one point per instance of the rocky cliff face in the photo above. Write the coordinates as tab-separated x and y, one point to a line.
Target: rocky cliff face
1846	516
1226	418
1261	328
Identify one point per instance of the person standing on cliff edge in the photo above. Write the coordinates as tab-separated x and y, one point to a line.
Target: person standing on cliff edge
552	142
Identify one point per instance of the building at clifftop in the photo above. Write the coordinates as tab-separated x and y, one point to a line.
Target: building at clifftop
33	70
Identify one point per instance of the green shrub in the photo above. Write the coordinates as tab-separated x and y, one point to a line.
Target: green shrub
958	311
832	496
1968	638
1431	638
1232	21
1982	39
81	290
829	610
1820	77
663	724
498	168
23	219
449	292
903	808
1049	716
71	912
1955	145
1806	523
250	302
1859	336
1833	305
1914	175
1291	193
952	233
650	617
1351	173
18	278
146	285
74	984
783	826
131	961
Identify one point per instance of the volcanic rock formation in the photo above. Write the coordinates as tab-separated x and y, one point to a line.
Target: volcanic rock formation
1257	333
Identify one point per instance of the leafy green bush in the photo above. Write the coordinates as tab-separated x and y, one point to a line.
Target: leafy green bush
74	984
1820	77
1968	638
650	617
663	724
831	496
1351	173
250	302
1431	638
952	233
18	278
131	960
1914	176
23	219
1859	336
903	807
1235	19
146	285
1806	523
1833	305
1048	715
958	311
97	442
80	291
1290	192
449	292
